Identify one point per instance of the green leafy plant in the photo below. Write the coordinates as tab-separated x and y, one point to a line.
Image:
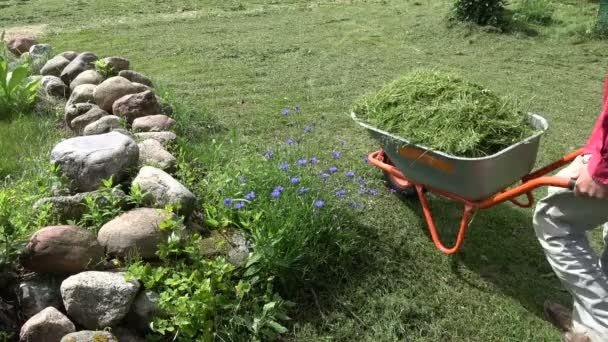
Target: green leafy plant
17	95
136	196
103	207
104	69
482	12
13	229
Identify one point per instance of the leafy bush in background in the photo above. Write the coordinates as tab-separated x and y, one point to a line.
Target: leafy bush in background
482	12
17	94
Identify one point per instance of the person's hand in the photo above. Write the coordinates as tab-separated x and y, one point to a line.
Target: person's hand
588	187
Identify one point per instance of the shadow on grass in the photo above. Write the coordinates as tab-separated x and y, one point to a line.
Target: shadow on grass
501	247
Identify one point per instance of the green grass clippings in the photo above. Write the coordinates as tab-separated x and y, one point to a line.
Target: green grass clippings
446	113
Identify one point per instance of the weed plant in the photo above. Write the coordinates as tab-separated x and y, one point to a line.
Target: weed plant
444	112
482	12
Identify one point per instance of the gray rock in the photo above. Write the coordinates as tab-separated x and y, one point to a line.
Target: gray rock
54	66
239	250
111	90
82	62
82	94
87	160
65	208
117	64
152	153
136	231
49	325
87	77
161	189
19	45
74	110
164	138
70	55
38	293
232	245
143	310
136	77
62	249
98	299
41	50
90	336
104	124
133	106
54	86
159	122
81	121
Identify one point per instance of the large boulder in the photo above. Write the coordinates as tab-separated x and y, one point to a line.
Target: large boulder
98	299
54	86
84	61
70	55
143	310
81	94
104	124
152	153
65	208
87	77
49	325
74	110
19	45
164	138
111	90
54	66
136	231
41	50
159	122
86	161
136	77
80	122
133	106
161	189
62	249
117	64
90	336
38	293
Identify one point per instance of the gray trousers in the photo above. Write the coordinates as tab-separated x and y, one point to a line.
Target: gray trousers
561	221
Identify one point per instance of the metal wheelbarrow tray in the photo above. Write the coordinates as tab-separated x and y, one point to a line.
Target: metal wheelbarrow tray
478	183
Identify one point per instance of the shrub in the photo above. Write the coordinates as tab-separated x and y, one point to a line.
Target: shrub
17	95
535	11
482	12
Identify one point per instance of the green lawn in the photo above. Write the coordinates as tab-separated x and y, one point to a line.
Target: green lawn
237	64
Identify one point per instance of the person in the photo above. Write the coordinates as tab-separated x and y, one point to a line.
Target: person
561	222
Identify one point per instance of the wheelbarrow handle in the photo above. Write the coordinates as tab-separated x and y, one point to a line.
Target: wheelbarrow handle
572	184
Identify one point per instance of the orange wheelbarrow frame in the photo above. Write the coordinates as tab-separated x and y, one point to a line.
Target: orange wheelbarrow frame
528	184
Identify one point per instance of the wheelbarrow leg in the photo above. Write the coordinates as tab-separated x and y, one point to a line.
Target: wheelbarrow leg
464	223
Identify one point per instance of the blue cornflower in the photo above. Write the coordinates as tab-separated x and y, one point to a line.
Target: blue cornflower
244	179
303	190
302	162
333	169
284	166
296	107
314	160
275	194
350	174
362	191
289	141
373	192
239	205
250	196
336	155
279	188
295	180
354	205
366	159
360	180
269	154
308	129
392	190
341	193
324	175
319	203
228	202
285	111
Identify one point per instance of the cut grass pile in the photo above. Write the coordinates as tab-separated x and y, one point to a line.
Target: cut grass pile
444	112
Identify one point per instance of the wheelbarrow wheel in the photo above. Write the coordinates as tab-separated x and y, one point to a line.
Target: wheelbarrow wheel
403	187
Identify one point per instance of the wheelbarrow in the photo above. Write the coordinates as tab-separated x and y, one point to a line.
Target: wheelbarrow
477	183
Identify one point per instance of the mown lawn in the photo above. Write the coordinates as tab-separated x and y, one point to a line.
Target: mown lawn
236	65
